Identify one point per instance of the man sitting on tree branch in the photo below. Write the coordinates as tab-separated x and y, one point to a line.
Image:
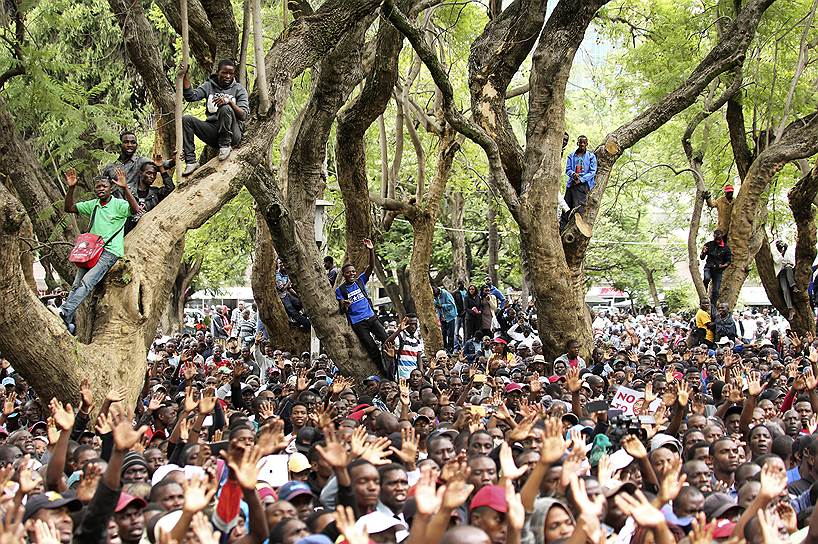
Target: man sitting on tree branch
353	301
108	217
227	109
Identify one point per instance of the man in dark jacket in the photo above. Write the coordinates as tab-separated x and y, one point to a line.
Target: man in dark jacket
146	195
718	257
227	109
723	324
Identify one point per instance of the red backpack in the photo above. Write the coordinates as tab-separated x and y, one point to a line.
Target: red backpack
88	247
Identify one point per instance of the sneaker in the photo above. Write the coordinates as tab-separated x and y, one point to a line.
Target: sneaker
190	168
224	152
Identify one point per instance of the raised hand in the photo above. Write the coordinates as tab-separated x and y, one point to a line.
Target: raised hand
553	442
120	180
45	532
408	453
515	517
368	243
203	529
9	404
572	381
63	415
404	391
156	402
702	532
583	502
456	493
207	402
638	507
115	395
244	465
199	491
86	396
671	483
523	428
12	529
682	393
190	403
634	447
773	482
71	177
88	482
754	384
25	476
377	452
509	469
271	439
345	522
334	453
125	437
428	499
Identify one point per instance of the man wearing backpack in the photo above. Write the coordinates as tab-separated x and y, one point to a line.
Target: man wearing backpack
353	301
108	216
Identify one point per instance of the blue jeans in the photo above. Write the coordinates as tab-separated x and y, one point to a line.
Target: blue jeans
84	282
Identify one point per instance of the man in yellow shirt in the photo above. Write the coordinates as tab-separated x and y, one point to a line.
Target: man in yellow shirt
703	323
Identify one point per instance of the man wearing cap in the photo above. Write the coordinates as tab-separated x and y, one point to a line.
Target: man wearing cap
487	511
299	494
128	517
723	206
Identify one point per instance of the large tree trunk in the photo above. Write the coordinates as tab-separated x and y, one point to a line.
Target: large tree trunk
392	289
353	121
493	241
270	308
173	315
456	236
796	143
143	51
801	198
291	218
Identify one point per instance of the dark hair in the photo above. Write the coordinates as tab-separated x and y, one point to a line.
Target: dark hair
329	259
126	133
383	469
103	178
411	315
144	164
226	62
277	532
346	265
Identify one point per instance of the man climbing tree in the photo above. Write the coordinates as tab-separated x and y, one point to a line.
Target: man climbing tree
353	300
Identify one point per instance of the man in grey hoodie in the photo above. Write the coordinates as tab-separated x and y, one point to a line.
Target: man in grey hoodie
227	109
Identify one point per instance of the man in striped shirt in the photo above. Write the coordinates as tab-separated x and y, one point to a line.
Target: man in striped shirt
408	346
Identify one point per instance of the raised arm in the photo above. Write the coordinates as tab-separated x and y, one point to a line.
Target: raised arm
71	179
122	182
370	266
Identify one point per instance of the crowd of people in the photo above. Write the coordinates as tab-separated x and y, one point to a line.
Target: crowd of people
660	429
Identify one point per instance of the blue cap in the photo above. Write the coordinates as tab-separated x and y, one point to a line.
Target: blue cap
372	378
293	489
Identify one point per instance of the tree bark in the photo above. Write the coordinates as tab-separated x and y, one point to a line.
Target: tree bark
386	278
143	51
173	316
456	236
494	239
214	33
271	310
353	121
291	218
794	144
801	198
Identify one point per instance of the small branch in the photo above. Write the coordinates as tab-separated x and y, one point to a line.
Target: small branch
518	91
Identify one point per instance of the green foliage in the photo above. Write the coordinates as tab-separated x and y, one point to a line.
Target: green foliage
225	243
681	298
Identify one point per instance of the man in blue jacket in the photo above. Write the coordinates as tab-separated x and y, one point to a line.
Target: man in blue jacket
353	300
446	311
581	171
227	109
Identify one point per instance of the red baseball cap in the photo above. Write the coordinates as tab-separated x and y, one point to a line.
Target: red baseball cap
513	387
728	188
126	500
492	496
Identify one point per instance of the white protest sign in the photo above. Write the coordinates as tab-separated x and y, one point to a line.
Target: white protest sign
628	400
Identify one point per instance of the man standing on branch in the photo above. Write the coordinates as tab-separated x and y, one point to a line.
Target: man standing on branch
581	171
724	208
108	216
718	257
227	109
353	301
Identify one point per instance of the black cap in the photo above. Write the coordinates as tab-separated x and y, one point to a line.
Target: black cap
305	438
50	501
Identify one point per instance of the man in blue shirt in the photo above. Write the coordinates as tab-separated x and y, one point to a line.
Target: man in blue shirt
581	171
353	301
446	313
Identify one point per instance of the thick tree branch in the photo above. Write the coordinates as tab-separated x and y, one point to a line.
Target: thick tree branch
460	123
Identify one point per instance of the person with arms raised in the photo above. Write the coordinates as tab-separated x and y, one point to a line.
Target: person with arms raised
108	216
